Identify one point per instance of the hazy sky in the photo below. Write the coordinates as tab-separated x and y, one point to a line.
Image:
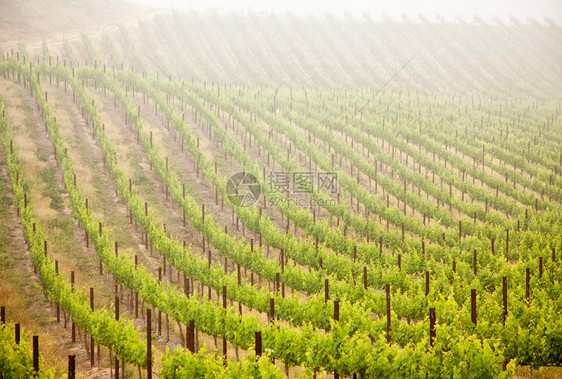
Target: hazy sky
449	9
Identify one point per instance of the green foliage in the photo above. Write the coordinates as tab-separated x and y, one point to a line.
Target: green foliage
184	364
358	343
16	360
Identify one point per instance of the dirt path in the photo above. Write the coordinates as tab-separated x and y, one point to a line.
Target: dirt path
132	158
133	161
19	287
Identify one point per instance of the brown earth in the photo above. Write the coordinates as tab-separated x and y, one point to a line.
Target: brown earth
30	21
